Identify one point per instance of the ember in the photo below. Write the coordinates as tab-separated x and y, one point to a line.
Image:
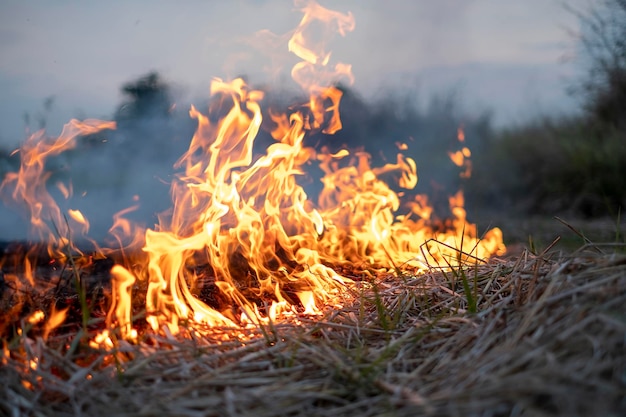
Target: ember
240	223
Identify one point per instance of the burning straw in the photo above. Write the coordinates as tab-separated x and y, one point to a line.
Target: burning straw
243	244
250	298
547	338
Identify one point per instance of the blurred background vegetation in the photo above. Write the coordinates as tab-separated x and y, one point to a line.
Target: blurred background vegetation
569	166
572	166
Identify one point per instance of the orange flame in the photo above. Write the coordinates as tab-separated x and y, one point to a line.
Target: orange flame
244	225
461	157
29	183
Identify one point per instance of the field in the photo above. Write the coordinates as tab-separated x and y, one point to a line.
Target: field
529	334
286	207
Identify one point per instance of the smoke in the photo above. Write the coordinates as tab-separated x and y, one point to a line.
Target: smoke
133	164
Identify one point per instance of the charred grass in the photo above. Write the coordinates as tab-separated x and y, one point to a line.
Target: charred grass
535	334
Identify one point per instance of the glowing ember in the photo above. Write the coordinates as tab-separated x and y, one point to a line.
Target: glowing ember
245	220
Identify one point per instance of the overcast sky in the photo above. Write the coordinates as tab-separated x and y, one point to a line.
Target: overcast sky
502	54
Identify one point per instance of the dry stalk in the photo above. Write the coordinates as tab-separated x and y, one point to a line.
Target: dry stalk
547	339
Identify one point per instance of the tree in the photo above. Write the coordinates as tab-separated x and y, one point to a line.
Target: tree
603	46
147	97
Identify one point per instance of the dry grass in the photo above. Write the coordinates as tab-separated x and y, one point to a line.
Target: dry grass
546	339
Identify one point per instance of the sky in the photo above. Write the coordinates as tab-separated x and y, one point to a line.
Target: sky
512	57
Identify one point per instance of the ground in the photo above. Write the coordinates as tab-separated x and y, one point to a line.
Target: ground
537	334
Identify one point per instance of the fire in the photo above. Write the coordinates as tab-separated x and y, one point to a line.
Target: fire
28	186
461	157
243	223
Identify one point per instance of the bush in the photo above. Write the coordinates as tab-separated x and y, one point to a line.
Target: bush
575	164
551	166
